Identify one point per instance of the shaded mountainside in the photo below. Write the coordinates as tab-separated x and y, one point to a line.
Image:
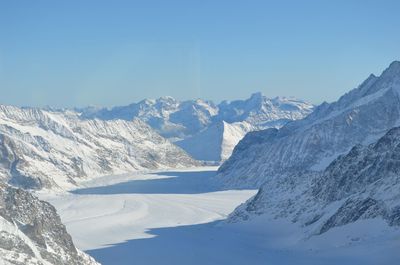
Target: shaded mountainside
56	150
363	184
191	123
31	232
359	117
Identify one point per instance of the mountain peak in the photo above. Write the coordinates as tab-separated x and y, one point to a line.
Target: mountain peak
395	64
256	95
168	99
392	70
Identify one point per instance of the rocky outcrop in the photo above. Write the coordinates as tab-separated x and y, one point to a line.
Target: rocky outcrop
31	232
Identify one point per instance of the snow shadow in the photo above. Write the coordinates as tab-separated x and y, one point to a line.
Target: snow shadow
187	182
204	244
193	244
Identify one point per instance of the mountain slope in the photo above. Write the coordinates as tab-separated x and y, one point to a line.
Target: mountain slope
56	150
192	124
363	184
31	232
359	117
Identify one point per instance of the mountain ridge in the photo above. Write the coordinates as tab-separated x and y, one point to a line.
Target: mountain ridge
360	116
56	150
186	122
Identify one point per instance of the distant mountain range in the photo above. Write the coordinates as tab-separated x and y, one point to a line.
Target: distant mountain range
56	149
194	123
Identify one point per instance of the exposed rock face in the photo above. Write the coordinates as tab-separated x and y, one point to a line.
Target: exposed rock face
353	210
193	124
31	232
55	150
360	168
362	184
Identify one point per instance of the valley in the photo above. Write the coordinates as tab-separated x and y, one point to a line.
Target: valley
170	217
200	132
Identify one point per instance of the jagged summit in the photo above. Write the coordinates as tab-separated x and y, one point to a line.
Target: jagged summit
256	96
393	69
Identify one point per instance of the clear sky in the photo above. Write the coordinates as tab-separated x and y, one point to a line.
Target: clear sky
93	52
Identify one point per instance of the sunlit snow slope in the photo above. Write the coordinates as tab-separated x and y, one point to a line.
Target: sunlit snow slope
56	149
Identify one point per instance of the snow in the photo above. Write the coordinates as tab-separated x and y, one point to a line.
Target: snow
177	217
207	131
31	232
363	115
57	150
215	143
7	227
102	215
233	133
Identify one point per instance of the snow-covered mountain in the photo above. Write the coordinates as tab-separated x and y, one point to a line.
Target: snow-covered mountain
359	117
363	184
263	112
31	232
169	117
334	174
56	150
195	123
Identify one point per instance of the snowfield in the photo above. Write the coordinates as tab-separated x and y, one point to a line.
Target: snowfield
177	217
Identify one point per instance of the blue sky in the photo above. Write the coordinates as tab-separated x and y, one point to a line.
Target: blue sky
77	53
